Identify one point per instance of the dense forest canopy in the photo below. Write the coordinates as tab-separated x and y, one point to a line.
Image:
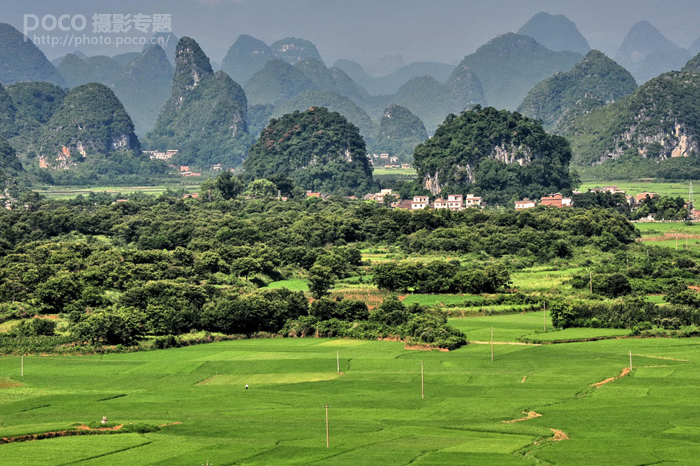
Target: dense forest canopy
318	149
501	155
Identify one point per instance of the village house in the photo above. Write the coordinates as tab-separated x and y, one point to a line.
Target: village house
524	204
420	202
379	197
454	202
440	203
472	200
556	200
158	155
641	196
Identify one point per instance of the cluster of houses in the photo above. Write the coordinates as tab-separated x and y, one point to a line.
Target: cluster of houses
557	200
385	160
454	202
158	155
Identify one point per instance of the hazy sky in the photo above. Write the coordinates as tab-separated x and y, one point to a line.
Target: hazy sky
369	30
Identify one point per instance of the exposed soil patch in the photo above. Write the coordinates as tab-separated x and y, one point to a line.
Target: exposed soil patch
170	424
80	430
624	372
661	357
424	348
101	429
530	415
668	236
6	383
559	435
524	379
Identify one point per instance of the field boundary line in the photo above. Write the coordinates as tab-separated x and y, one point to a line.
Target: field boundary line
516	343
660	357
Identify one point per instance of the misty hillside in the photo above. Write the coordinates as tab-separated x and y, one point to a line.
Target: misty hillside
647	53
556	32
510	65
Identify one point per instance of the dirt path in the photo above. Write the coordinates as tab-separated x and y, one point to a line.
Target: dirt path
530	415
624	372
661	357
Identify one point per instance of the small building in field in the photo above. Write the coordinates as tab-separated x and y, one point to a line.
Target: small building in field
524	204
641	196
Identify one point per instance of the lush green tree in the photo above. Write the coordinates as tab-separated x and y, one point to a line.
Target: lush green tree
321	280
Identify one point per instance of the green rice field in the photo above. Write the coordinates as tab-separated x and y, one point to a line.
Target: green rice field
640	186
376	413
67	192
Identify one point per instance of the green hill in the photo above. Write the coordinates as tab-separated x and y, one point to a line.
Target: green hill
11	171
390	84
334	103
205	117
34	104
125	59
400	131
558	99
646	53
510	65
246	57
90	121
331	79
144	87
429	100
36	100
318	149
276	82
21	60
693	65
466	89
556	32
97	69
8	115
293	50
498	154
659	121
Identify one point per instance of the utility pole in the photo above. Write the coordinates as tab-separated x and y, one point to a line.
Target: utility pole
544	313
690	202
328	442
590	281
337	357
422	385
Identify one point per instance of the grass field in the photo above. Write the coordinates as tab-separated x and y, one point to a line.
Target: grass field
640	186
675	235
376	412
67	192
406	172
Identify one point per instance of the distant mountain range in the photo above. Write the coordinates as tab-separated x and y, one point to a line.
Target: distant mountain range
646	53
214	117
561	98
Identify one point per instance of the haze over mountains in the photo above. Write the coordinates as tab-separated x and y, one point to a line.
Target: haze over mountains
546	70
